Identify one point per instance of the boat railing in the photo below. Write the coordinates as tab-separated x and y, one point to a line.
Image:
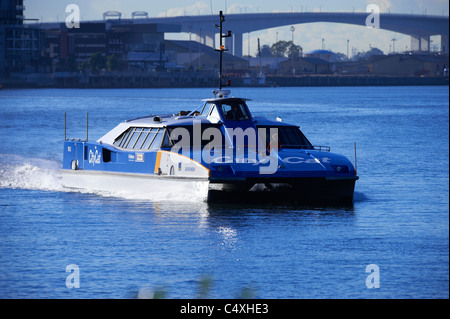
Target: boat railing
322	148
319	148
76	140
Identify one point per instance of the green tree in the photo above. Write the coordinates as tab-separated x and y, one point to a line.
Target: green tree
293	50
266	51
97	62
279	48
82	66
286	49
112	63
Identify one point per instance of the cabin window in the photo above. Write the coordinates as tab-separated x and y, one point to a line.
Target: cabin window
215	113
206	108
139	138
108	156
234	111
288	137
119	139
123	138
133	138
170	139
157	140
149	138
127	139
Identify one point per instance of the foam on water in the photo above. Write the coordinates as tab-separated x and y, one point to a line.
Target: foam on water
17	172
35	174
198	193
359	197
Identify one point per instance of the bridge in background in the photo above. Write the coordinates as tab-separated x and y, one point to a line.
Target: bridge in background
419	27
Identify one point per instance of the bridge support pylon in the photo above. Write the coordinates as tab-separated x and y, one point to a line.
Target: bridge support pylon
444	43
420	43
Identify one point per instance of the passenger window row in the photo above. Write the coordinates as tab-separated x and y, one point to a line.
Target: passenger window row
140	138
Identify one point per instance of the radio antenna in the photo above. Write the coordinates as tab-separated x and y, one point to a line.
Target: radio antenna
221	49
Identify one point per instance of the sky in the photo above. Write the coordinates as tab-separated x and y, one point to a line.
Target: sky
309	36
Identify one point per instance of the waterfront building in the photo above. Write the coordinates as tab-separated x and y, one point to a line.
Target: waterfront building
305	65
20	45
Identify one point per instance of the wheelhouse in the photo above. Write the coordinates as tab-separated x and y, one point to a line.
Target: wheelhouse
227	109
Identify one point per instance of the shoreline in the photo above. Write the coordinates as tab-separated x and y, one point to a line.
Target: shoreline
200	80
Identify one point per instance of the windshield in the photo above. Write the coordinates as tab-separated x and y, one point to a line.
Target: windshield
288	137
234	111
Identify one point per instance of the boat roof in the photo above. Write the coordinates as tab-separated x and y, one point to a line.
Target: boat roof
224	99
171	120
263	121
174	120
167	120
223	95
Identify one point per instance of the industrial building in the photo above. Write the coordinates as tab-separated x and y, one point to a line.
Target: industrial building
305	65
19	44
140	46
410	65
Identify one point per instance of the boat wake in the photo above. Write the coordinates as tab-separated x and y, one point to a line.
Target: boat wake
359	197
17	172
20	173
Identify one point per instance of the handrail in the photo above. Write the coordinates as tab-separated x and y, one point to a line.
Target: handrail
319	148
74	139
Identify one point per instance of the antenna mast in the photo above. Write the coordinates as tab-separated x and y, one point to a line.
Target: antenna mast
222	49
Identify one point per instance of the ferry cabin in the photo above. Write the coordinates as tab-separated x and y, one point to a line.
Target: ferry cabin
136	146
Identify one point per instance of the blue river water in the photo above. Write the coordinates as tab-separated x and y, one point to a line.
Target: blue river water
129	247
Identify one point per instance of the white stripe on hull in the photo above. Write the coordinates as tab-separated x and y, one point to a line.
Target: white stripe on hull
137	186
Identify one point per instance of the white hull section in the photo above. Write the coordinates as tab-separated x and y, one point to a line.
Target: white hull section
137	186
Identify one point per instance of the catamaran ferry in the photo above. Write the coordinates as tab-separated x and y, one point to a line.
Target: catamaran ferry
219	149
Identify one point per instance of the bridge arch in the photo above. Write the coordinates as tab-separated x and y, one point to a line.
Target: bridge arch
419	27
